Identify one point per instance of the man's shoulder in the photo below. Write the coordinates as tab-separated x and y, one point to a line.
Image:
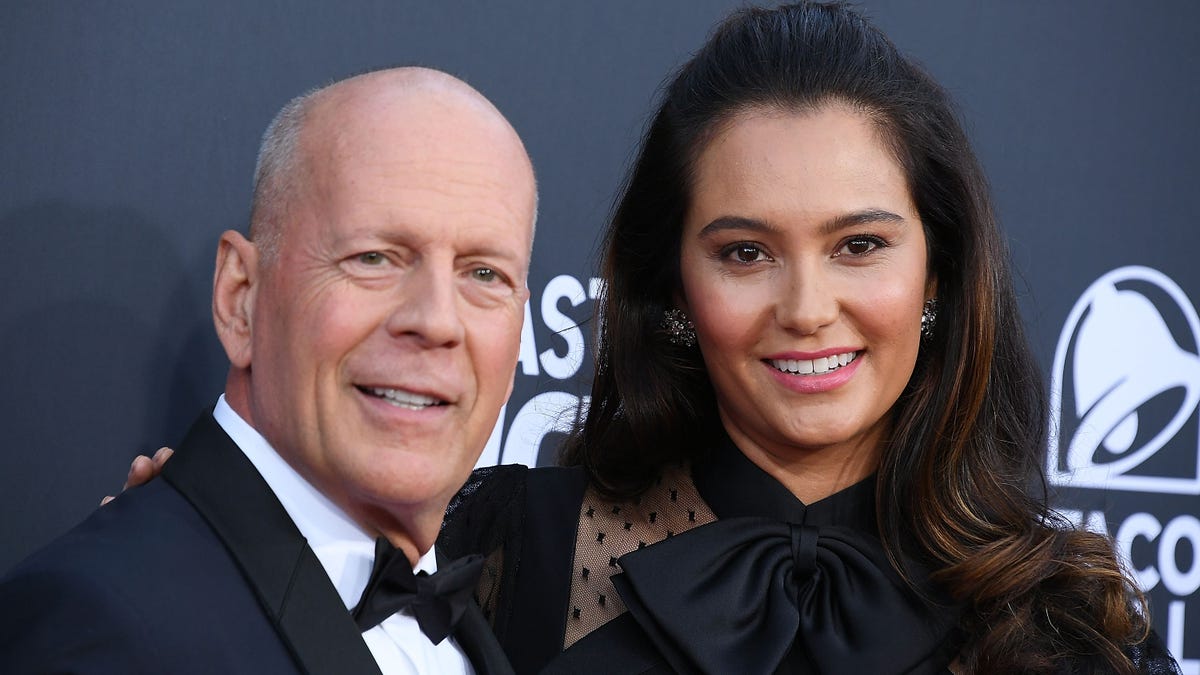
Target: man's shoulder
142	584
134	551
132	532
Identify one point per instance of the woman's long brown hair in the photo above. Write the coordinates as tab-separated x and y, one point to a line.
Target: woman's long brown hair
960	484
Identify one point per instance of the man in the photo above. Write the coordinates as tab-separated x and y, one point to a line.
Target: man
372	322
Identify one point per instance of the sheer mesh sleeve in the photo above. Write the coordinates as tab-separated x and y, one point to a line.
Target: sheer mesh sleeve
485	517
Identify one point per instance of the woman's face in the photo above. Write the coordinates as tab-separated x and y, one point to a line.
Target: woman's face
803	266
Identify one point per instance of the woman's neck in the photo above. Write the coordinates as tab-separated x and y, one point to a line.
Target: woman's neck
812	474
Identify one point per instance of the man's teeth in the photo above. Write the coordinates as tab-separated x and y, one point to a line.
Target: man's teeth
814	366
404	399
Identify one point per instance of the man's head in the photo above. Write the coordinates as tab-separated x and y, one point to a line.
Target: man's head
374	321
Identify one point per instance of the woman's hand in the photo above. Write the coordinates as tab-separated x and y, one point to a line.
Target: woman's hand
143	470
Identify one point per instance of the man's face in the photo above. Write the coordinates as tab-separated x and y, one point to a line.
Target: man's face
386	328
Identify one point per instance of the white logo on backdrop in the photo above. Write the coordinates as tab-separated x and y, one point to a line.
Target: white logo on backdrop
548	411
1122	356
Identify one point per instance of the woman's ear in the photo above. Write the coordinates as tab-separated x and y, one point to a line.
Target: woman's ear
680	302
235	284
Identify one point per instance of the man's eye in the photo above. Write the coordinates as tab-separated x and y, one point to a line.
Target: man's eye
485	274
372	258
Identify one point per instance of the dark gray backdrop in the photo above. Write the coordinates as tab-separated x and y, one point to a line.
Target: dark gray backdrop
127	140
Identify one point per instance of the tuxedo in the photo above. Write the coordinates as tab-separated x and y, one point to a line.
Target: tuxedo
200	572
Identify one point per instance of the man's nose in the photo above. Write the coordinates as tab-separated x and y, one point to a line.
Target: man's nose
427	306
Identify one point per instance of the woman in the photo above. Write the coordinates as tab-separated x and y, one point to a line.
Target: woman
815	432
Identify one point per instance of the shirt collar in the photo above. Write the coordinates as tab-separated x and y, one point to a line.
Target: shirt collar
344	549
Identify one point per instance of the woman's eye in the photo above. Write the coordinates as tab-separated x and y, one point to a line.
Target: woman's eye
860	246
372	258
745	253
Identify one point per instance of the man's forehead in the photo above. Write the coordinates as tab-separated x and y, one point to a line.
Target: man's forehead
432	125
417	99
421	149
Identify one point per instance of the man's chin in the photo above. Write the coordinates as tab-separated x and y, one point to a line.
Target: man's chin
410	479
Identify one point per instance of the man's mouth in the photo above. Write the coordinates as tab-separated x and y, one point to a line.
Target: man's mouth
401	398
818	366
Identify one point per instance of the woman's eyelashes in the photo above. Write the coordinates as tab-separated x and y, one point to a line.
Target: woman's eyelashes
860	245
744	253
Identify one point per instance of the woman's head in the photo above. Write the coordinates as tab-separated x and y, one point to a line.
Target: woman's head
786	125
796	64
803	267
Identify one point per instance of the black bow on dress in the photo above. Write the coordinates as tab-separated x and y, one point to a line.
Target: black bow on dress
755	595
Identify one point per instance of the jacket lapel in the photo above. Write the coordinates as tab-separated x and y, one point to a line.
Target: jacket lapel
292	587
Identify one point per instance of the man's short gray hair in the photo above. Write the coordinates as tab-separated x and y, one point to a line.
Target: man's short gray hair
277	173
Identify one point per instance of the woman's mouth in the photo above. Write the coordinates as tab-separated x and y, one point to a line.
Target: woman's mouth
817	366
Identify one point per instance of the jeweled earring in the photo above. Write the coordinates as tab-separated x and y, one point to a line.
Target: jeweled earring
928	318
679	328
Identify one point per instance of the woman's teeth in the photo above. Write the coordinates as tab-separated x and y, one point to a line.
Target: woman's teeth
817	366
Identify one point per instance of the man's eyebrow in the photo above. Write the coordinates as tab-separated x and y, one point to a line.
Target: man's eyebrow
491	251
831	226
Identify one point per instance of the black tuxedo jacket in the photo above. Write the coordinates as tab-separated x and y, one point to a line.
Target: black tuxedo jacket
202	572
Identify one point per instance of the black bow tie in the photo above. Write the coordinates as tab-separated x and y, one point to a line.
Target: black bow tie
437	600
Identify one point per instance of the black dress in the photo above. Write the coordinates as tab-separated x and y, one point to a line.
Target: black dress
718	569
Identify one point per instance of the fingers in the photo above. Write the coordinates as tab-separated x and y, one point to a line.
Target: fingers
160	457
142	470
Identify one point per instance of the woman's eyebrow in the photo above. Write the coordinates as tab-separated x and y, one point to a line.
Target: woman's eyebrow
831	226
858	219
736	223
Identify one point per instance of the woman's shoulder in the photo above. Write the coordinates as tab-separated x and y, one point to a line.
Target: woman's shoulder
503	483
496	498
1150	657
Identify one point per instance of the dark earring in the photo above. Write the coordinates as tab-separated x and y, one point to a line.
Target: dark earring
928	318
679	328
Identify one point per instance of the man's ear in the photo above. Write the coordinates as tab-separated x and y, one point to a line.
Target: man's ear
235	284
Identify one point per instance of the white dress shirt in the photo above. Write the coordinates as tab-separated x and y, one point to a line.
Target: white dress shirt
346	553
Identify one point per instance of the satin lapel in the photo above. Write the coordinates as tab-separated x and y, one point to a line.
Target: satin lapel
475	637
292	587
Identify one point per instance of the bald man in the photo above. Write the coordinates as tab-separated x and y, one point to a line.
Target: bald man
372	323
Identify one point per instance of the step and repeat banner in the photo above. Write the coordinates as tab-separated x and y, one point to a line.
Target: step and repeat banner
127	139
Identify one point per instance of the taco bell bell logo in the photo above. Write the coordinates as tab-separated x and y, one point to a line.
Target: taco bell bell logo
1124	385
